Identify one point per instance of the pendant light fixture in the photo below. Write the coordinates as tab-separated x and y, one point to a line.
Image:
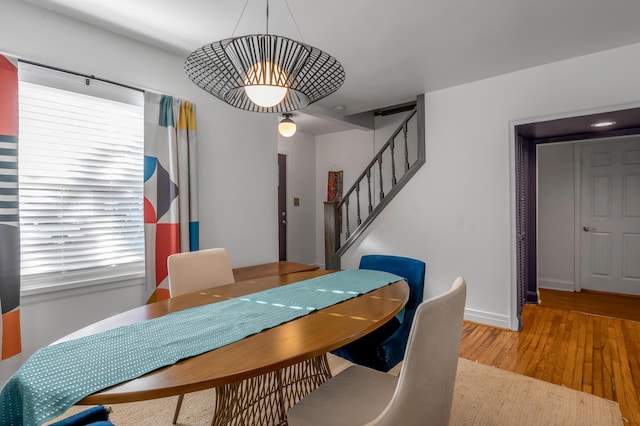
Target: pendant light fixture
287	127
264	72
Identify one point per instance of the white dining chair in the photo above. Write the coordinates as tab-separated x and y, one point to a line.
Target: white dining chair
197	270
423	392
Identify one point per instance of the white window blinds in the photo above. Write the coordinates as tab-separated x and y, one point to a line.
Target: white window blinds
80	179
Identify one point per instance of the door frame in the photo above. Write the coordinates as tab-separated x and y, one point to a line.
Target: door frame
524	288
577	216
282	207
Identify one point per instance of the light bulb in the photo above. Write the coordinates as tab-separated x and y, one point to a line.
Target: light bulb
605	123
264	84
266	96
287	127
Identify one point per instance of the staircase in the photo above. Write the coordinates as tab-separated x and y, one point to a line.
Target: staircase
380	181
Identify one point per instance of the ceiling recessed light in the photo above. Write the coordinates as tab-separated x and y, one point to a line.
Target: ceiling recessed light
604	123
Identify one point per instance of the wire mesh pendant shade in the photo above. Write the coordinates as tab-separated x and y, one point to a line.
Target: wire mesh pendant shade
226	67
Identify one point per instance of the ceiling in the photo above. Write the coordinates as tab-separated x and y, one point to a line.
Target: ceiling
391	51
621	122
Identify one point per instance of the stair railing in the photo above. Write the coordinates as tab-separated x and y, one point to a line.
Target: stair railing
339	213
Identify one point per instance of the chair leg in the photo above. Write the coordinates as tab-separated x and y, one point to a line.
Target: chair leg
178	405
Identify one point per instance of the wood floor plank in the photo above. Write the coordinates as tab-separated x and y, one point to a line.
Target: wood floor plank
572	341
563	351
597	387
507	356
496	347
591	302
602	381
476	338
557	351
530	353
578	371
632	337
627	396
587	380
608	353
612	359
478	346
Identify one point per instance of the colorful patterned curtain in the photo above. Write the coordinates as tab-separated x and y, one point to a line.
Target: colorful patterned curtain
170	186
9	222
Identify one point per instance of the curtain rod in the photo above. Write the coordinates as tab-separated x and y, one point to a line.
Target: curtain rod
92	77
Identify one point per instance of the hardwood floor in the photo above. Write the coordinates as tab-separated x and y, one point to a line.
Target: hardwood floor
594	353
591	302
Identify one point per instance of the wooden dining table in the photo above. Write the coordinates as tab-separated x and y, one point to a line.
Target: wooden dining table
268	371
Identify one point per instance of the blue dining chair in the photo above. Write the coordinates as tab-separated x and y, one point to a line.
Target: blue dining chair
384	347
94	416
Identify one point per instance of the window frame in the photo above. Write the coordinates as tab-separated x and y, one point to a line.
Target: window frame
126	273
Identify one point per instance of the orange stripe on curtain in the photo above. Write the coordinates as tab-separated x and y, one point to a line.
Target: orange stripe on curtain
11	342
8	98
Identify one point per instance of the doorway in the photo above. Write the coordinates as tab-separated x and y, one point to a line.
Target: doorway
282	207
526	137
588	216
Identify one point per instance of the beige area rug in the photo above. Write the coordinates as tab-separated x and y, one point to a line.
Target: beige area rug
483	396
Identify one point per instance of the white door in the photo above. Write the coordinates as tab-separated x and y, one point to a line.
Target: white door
610	210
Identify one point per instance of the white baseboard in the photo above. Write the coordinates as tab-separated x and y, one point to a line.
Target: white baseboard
553	284
488	318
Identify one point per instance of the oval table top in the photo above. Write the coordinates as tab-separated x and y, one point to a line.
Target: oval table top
287	344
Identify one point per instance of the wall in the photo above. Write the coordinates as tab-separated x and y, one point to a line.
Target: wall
556	216
456	213
300	150
385	125
348	151
237	158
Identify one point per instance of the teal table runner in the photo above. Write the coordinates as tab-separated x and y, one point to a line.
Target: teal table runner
57	376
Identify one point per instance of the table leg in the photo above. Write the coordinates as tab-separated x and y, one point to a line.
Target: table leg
264	400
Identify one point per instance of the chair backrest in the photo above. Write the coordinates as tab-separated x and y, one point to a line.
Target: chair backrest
197	270
412	270
425	387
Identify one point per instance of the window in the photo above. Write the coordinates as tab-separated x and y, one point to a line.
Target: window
80	162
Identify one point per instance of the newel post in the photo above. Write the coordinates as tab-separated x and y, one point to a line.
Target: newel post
331	235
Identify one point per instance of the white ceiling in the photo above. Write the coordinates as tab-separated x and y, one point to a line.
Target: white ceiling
391	51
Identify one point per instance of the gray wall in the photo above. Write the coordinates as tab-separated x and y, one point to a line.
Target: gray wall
556	216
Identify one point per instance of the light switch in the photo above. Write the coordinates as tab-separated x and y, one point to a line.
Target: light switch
296	201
